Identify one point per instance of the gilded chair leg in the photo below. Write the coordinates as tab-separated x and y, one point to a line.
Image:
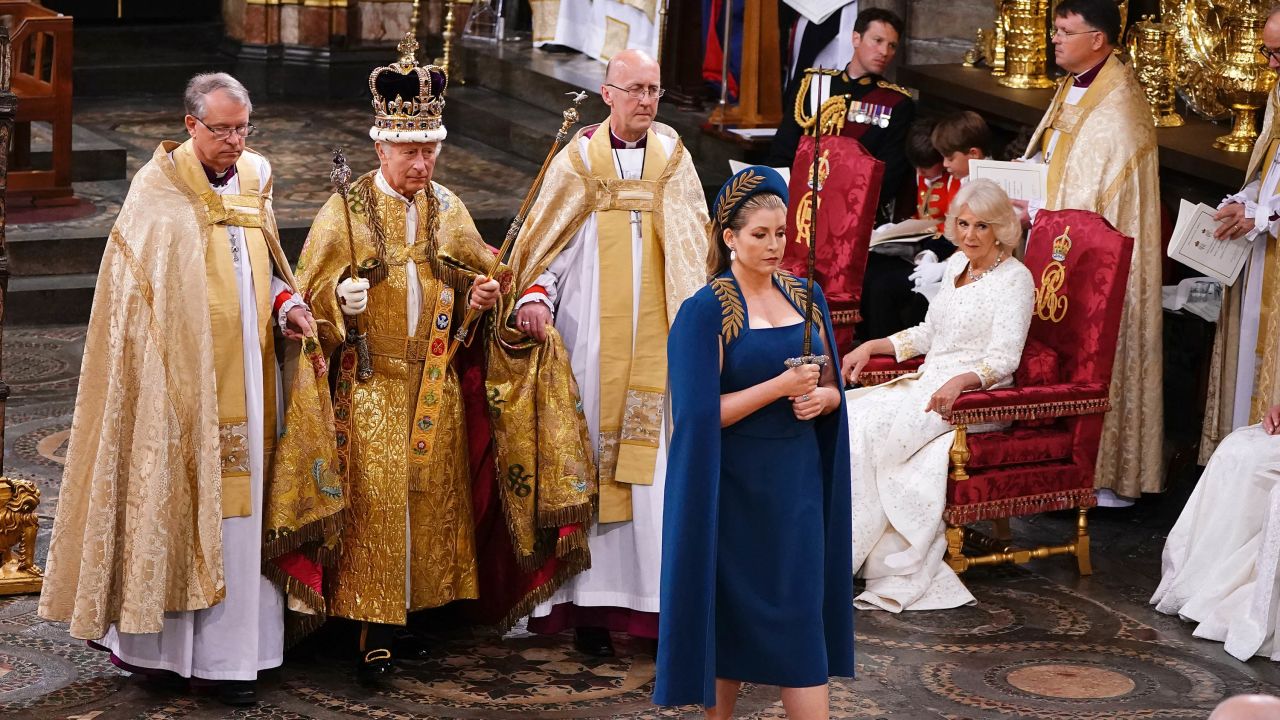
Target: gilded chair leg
955	549
1002	531
1082	543
959	454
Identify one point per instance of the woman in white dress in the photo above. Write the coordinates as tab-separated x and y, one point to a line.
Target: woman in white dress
1221	563
899	433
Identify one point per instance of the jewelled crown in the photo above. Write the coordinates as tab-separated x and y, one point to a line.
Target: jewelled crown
408	98
1062	245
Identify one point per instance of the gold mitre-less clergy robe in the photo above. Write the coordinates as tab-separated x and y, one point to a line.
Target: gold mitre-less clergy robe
1104	159
1220	410
158	450
671	207
405	436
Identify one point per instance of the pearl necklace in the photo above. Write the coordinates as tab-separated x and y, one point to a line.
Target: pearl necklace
974	277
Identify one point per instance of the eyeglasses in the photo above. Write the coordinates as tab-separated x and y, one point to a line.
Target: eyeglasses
640	93
1059	32
1268	53
222	133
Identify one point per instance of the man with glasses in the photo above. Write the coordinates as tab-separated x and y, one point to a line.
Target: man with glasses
1099	142
1245	375
157	545
616	241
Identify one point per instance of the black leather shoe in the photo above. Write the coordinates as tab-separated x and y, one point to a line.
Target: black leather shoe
374	668
593	641
238	693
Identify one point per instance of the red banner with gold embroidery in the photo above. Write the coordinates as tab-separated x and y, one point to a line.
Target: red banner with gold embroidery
848	187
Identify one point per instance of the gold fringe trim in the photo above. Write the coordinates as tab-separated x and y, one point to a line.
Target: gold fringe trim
565	516
572	552
1014	507
297	625
316	531
880	377
1034	411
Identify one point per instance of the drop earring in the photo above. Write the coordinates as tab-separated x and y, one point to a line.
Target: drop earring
733	254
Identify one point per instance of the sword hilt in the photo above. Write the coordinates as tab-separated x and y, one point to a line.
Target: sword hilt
819	360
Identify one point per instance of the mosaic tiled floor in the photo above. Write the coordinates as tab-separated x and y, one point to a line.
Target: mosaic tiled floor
1040	643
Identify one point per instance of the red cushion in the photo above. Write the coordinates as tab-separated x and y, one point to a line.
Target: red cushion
1018	446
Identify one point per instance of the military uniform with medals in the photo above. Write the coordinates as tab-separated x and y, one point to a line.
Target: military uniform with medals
876	113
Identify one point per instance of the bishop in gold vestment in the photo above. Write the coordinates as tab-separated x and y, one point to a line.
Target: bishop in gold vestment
1099	142
402	438
615	243
170	487
1245	373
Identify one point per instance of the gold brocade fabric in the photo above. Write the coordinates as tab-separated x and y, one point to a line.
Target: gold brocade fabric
302	505
532	392
369	581
633	354
569	194
1266	387
246	211
144	458
1106	161
546	471
1220	403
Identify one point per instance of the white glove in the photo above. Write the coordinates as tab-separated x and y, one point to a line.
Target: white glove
927	273
353	296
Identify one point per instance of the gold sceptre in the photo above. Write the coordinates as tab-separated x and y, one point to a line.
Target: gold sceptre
570	119
340	176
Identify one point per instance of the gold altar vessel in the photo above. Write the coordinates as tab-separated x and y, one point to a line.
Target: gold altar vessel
1025	43
1153	54
1245	79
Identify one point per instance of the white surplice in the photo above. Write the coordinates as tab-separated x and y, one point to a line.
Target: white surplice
244	633
625	557
1221	563
899	452
596	28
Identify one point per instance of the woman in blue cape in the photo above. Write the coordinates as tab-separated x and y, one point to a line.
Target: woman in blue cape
757	580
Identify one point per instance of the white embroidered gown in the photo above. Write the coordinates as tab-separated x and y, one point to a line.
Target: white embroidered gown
1221	563
898	452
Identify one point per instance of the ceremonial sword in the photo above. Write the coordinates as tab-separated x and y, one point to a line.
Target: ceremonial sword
807	357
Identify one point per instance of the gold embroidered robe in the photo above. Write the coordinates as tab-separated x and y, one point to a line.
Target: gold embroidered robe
1220	404
1105	160
388	479
139	526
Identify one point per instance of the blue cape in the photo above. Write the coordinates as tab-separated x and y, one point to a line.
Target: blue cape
686	664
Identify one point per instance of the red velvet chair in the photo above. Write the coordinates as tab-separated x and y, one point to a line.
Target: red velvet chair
849	181
1045	459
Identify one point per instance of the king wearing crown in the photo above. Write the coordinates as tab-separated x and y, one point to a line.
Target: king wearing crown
408	541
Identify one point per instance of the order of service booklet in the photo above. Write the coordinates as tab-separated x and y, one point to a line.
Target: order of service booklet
1019	180
1194	245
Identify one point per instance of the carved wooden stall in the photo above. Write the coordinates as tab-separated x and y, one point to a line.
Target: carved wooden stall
39	73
